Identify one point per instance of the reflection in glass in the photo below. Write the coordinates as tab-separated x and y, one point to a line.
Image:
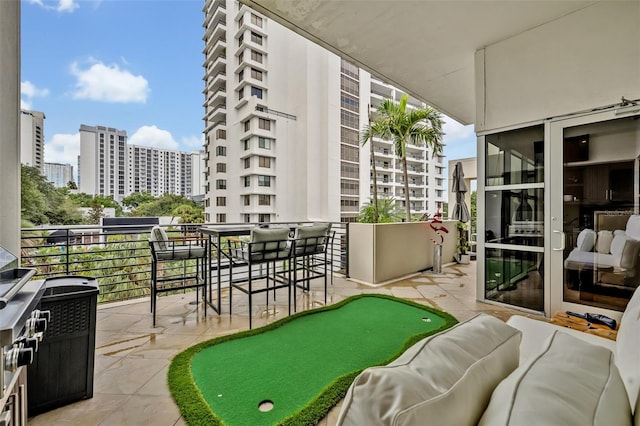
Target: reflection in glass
515	157
602	267
515	278
515	217
599	178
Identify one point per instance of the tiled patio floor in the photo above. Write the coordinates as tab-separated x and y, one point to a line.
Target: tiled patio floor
132	357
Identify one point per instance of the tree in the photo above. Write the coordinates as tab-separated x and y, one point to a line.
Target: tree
86	200
137	198
387	211
42	202
418	126
162	206
188	214
72	185
95	213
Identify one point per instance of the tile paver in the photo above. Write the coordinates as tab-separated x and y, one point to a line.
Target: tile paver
132	357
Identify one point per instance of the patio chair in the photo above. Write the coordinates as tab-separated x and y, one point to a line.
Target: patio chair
265	248
310	261
166	250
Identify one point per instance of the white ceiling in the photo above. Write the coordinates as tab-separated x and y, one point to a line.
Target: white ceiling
423	47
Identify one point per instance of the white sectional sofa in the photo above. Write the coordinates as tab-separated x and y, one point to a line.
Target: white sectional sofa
525	372
612	252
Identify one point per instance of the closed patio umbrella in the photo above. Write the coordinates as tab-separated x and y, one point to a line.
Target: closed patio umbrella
460	210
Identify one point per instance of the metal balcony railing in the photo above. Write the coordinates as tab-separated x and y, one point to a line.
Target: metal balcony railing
119	257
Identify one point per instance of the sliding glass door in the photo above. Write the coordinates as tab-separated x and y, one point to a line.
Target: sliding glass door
513	222
594	257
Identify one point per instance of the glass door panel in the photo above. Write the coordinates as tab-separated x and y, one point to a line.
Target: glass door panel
598	198
514	218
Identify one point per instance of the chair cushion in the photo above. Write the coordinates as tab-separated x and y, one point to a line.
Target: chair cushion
181	252
627	348
260	235
267	244
603	242
570	382
311	239
586	240
159	238
446	378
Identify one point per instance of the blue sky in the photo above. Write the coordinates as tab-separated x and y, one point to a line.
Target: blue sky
135	65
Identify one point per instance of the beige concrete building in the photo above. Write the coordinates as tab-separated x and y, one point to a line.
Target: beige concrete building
32	139
102	166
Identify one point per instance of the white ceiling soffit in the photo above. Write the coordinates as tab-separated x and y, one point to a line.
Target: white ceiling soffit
423	47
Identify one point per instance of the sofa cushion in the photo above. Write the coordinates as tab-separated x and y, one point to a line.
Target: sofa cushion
603	242
580	259
586	240
446	378
568	382
633	227
628	348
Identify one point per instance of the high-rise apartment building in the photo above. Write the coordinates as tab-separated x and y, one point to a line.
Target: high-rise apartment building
159	171
59	174
282	122
102	165
32	139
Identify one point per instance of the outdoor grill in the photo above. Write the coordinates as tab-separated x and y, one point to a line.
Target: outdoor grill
527	228
21	329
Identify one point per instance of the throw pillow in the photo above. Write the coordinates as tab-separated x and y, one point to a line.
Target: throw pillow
569	382
446	378
617	245
629	256
633	227
603	242
627	344
586	240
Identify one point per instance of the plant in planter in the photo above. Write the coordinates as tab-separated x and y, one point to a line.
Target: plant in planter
463	245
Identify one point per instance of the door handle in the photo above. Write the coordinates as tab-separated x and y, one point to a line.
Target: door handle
563	238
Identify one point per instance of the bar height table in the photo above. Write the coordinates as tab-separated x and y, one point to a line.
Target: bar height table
215	235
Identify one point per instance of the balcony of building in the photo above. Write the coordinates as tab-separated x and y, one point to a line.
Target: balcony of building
132	356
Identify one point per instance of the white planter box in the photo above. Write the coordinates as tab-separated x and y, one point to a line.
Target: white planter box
385	252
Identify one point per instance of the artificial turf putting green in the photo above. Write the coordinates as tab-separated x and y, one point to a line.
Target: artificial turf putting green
304	363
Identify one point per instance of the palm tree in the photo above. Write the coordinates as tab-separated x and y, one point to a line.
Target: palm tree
386	209
418	126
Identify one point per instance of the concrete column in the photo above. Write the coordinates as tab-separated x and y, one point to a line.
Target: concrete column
10	125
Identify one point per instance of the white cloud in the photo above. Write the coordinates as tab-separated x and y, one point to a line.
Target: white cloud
454	130
67	6
61	6
30	91
153	137
63	148
193	142
109	83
